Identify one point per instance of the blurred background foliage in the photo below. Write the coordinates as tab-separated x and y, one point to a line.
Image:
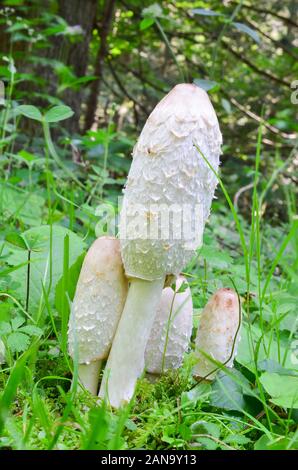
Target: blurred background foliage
112	61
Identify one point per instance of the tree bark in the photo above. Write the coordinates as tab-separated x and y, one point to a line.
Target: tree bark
103	28
82	13
72	53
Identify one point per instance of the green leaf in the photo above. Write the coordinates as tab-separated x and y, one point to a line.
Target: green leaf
228	392
153	11
2	352
247	30
44	269
27	156
269	349
31	330
73	275
58	113
18	342
226	105
205	12
237	439
17	240
5	309
215	257
206	85
17	322
283	389
199	392
22	205
11	388
5	328
146	23
204	427
30	112
280	443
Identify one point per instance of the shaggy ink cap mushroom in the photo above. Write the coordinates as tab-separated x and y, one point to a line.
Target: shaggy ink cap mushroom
218	333
167	175
97	306
171	331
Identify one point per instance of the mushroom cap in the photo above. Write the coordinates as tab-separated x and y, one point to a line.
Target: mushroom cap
177	322
216	333
170	187
98	303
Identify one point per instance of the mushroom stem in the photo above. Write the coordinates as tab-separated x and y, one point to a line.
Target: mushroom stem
126	361
89	376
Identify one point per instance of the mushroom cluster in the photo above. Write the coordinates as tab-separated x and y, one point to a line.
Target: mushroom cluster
167	201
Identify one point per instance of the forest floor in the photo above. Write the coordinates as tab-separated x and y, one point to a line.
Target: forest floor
252	406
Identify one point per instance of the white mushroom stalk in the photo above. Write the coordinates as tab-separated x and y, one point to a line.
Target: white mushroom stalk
98	303
166	203
171	331
218	334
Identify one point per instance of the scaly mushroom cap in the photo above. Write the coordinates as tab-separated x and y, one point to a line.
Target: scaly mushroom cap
168	174
98	303
216	334
174	318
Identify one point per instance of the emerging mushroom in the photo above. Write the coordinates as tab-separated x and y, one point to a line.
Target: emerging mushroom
98	303
218	333
171	331
166	204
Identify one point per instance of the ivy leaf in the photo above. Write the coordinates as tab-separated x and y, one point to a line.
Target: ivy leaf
18	342
58	113
30	112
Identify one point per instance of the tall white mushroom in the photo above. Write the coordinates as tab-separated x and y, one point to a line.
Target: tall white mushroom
171	331
169	182
97	306
218	332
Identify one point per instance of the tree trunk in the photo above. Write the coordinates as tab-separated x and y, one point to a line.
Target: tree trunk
104	28
82	13
72	53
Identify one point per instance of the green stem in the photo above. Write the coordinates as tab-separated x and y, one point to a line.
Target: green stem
54	154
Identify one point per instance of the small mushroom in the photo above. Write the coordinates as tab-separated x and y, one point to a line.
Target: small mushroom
97	306
171	331
218	333
171	178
